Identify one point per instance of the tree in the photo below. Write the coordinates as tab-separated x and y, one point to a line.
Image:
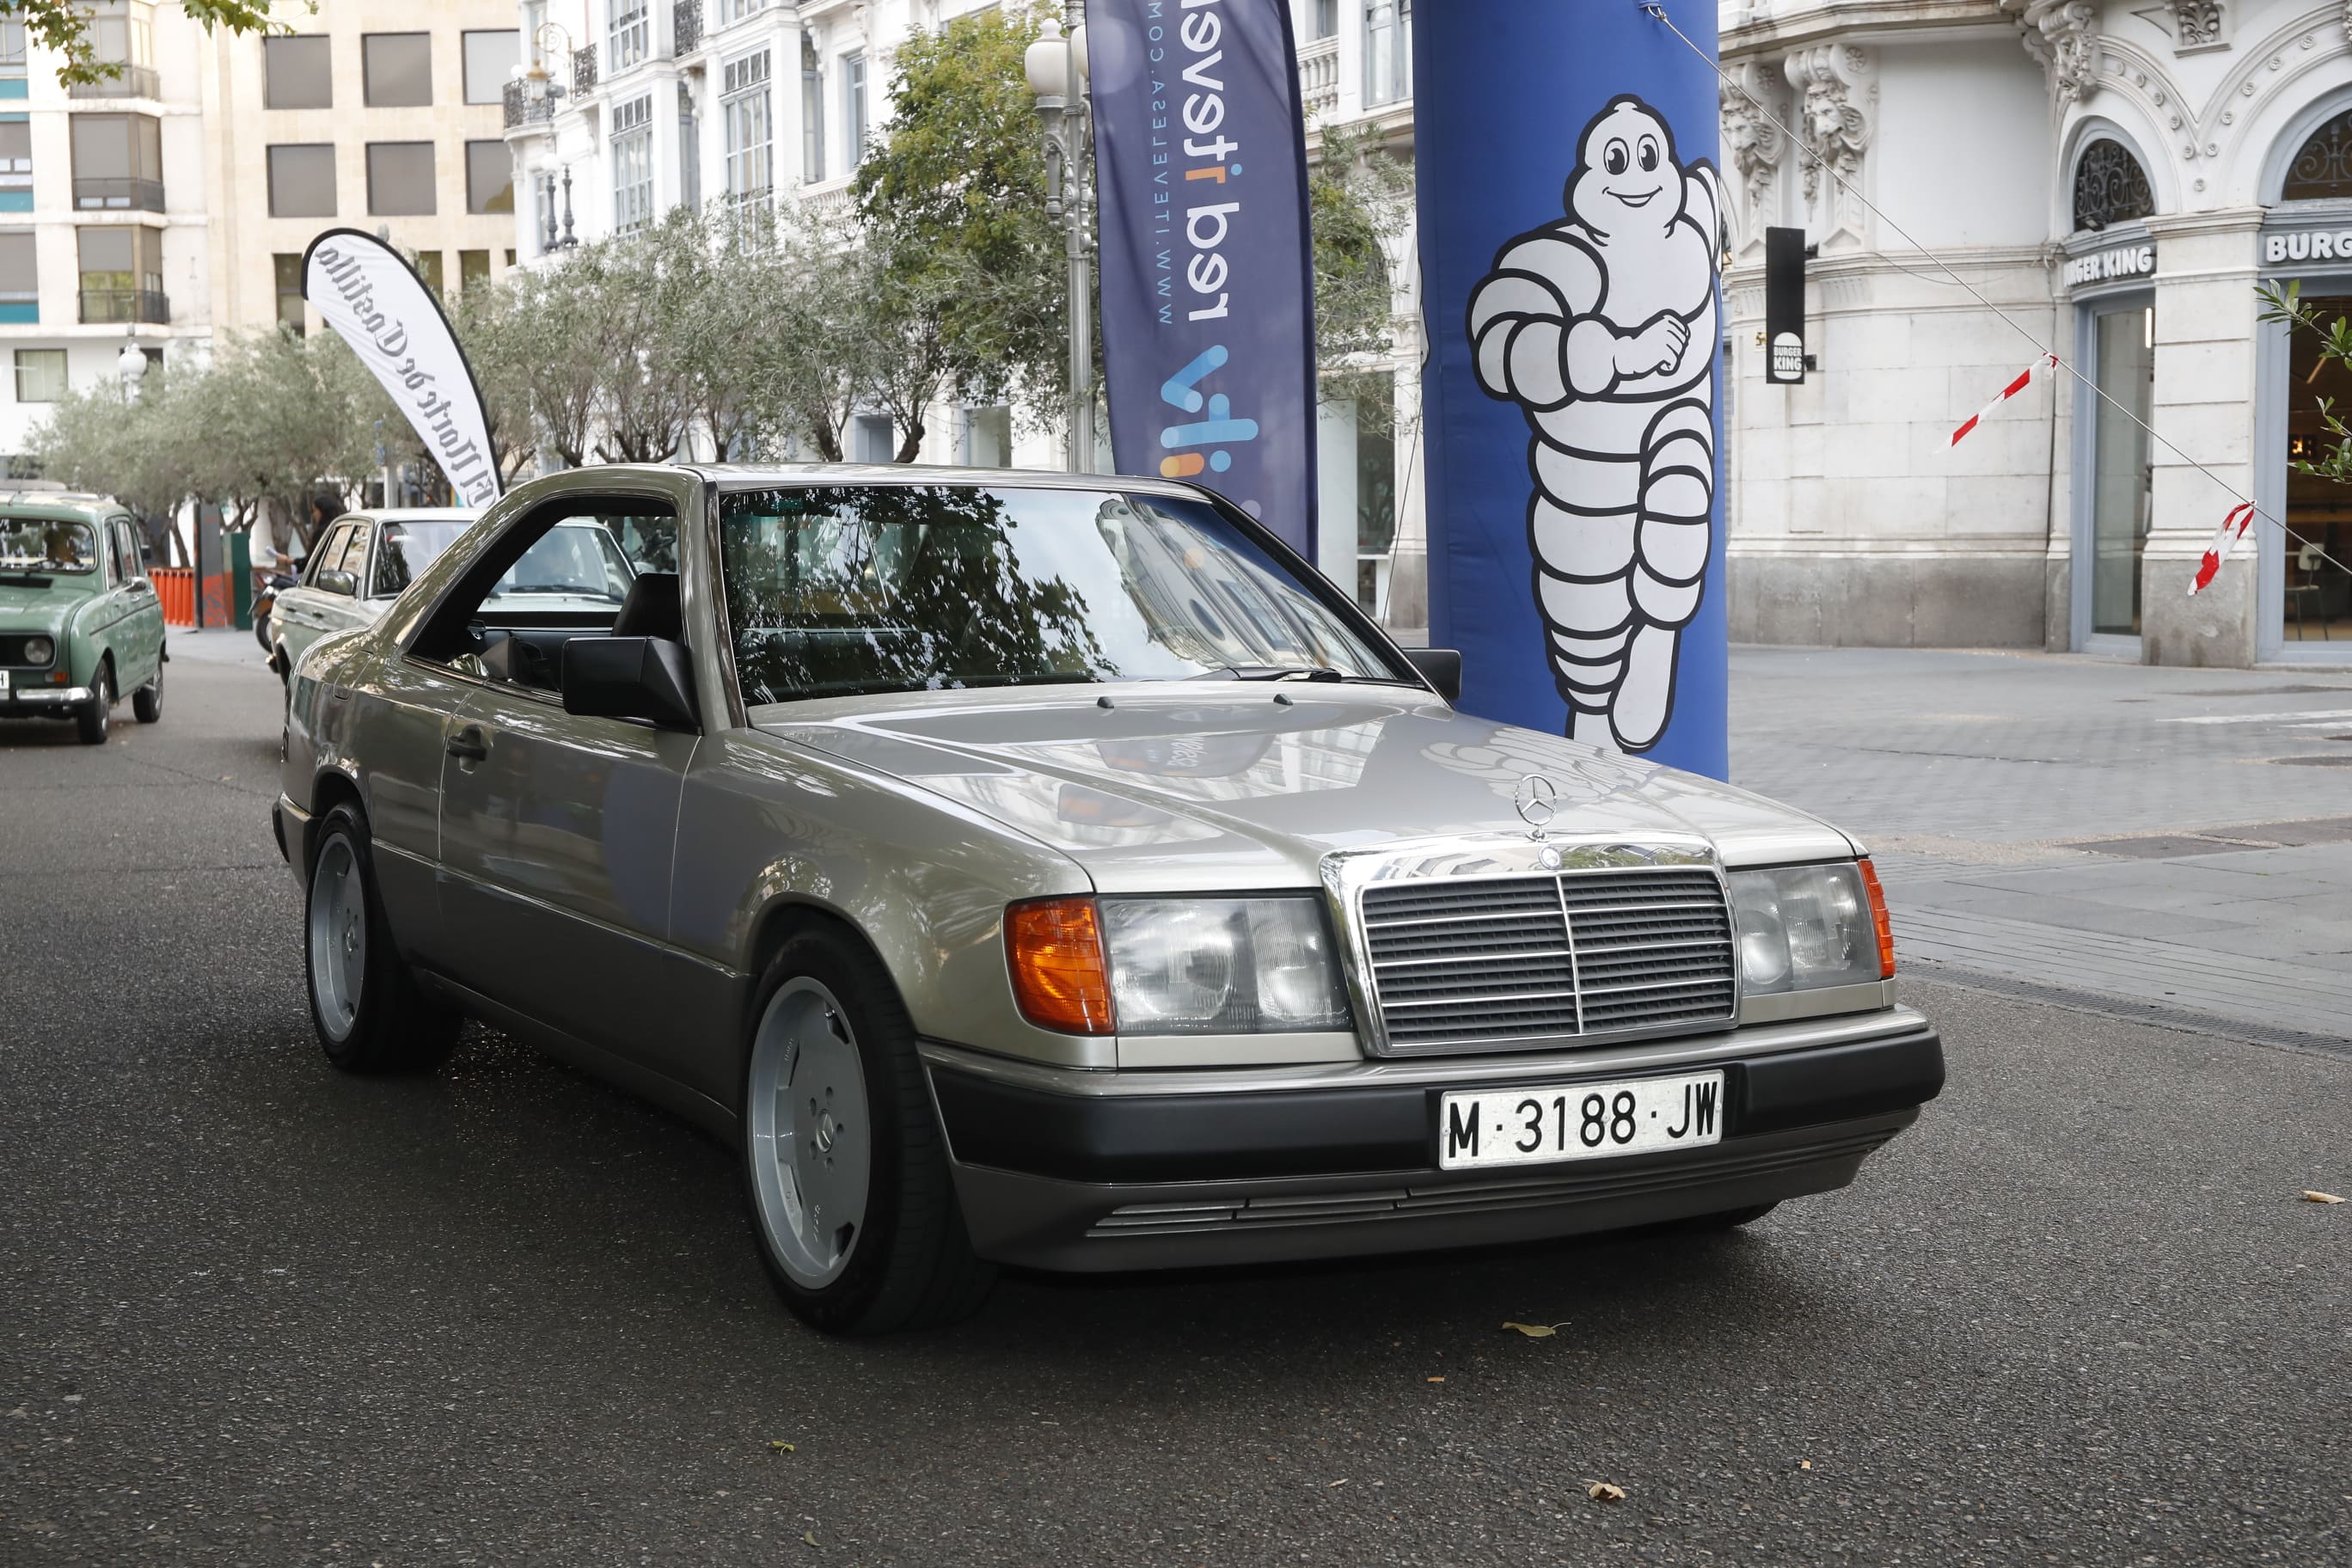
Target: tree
64	25
1358	197
951	198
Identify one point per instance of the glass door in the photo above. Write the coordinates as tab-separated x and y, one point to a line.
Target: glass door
2317	606
2124	360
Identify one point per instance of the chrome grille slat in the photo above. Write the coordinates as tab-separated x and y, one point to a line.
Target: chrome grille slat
1459	964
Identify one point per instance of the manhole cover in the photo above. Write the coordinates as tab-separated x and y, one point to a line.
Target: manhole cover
2340	759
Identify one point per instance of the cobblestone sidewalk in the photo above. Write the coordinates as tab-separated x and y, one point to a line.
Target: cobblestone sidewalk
2178	840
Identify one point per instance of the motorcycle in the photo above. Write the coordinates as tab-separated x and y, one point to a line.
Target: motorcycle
265	601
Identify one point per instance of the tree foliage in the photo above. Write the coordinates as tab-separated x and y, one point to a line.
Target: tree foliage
1358	201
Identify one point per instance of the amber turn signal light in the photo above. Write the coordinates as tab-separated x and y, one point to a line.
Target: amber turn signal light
1053	947
1879	918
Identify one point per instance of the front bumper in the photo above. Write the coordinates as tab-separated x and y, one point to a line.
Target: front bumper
41	699
1088	1170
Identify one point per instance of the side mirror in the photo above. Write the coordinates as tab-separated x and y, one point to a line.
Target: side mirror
630	678
1440	667
333	580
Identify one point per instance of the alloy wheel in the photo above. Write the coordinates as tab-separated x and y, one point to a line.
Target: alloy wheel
811	1136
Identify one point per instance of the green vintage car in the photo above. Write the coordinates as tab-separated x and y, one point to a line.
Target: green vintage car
79	622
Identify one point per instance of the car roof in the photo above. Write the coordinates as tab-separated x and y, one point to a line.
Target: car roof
760	475
65	506
411	514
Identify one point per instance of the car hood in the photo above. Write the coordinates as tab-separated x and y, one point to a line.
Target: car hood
1227	785
24	609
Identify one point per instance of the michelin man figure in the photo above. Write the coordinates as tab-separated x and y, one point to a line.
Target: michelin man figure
1602	328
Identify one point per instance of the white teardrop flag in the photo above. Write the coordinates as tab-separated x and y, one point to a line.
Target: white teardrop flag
367	291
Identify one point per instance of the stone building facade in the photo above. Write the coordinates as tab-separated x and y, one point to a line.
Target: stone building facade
2119	179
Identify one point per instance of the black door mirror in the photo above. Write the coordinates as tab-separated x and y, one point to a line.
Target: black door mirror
1440	667
630	678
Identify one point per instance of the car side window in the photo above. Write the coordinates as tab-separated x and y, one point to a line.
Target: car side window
560	575
327	556
117	573
134	566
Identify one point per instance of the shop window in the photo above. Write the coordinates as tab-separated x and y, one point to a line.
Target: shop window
400	179
2110	186
490	59
288	265
40	376
489	177
302	180
2317	606
2125	356
396	69
296	74
118	163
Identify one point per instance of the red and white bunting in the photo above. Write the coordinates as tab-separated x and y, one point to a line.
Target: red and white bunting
2024	380
2233	528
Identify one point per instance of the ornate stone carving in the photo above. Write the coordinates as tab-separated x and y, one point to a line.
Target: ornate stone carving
1837	92
1753	145
2197	24
2063	35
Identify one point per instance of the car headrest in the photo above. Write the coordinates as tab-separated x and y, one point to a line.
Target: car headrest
651	609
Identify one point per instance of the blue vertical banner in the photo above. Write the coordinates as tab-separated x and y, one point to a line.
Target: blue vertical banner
1208	314
1571	227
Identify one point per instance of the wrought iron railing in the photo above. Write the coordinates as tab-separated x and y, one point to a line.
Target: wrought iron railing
523	110
109	193
145	305
685	26
135	81
583	70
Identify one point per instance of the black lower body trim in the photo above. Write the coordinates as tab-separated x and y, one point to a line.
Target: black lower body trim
1341	1131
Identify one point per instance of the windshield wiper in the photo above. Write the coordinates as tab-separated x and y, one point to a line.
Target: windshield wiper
1267	672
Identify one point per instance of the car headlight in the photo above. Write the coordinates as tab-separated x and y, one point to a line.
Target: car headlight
39	650
1175	966
1802	927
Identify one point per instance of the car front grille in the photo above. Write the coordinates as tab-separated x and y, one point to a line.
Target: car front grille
1475	964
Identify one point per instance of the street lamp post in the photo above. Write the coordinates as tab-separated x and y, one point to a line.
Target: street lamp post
1056	69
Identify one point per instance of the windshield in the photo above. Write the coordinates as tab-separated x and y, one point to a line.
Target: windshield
576	561
47	545
405	549
835	590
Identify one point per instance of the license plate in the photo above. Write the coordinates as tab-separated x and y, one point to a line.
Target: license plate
3	680
1549	1122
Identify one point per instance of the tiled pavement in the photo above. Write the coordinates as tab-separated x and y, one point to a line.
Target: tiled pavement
2178	841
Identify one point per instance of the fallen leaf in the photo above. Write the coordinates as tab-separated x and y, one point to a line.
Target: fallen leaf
1804	1464
1340	1483
809	1536
1437	1380
1602	1492
1534	1331
2311	1196
780	1449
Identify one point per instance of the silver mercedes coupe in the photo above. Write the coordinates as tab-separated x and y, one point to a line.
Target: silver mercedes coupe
1056	871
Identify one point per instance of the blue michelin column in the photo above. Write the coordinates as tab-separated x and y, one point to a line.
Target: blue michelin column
1570	223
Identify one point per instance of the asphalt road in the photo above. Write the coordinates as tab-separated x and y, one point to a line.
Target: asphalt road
251	1311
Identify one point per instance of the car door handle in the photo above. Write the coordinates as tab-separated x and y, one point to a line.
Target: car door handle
467	744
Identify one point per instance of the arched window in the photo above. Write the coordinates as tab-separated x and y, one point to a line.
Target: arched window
2324	167
2110	186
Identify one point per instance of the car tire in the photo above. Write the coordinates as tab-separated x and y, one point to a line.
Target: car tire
830	1078
147	702
97	715
261	632
366	1007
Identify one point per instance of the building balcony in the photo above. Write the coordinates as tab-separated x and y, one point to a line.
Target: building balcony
522	109
685	28
1318	76
583	70
135	81
114	194
148	306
